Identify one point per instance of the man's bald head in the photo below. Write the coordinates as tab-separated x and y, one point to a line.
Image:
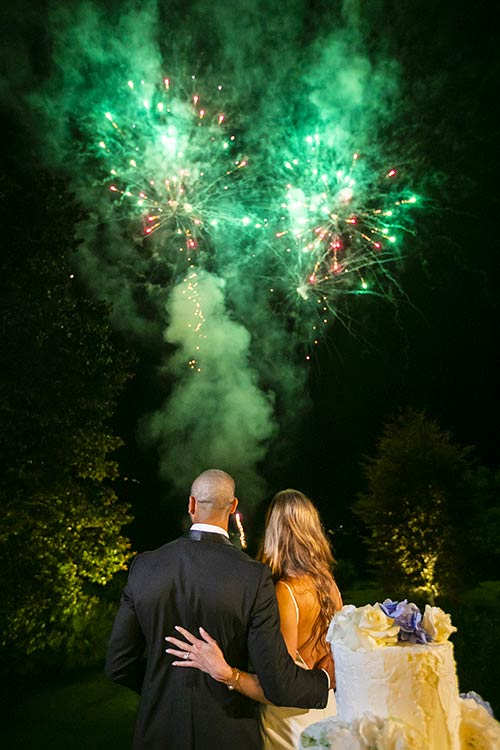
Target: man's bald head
213	491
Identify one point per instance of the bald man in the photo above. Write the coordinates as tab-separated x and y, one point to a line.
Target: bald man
201	579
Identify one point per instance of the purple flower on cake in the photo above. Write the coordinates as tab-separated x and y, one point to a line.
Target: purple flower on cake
392	608
408	616
387	624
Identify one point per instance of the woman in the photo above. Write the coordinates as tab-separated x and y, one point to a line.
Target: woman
299	555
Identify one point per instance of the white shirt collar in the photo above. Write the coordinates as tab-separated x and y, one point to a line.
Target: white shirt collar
209	527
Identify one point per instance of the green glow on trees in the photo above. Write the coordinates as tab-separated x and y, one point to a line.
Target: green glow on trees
421	497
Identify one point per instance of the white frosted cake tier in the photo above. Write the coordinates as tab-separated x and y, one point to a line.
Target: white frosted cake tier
414	683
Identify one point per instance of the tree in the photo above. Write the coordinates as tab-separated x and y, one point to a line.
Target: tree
484	533
60	533
422	495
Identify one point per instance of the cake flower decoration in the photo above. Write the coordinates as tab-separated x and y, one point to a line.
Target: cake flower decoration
365	627
437	624
367	732
478	729
473	696
388	624
409	618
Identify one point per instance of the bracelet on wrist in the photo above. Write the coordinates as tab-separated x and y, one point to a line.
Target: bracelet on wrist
234	679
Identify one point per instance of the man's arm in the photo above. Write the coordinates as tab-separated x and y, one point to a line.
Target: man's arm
125	660
283	682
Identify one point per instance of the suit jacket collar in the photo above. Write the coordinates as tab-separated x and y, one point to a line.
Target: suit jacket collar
207	536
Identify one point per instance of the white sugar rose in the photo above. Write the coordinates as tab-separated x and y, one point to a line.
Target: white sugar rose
332	734
344	628
398	735
367	732
375	623
342	738
340	623
437	624
367	727
478	730
353	636
363	628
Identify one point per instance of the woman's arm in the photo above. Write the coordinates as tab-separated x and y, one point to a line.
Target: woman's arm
326	662
337	597
207	656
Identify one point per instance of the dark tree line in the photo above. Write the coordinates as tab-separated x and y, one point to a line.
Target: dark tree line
61	537
430	511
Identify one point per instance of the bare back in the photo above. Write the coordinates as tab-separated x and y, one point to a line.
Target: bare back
299	607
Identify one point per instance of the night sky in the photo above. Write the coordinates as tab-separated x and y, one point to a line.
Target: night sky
435	350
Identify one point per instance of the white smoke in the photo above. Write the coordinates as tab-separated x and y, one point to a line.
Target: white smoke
216	415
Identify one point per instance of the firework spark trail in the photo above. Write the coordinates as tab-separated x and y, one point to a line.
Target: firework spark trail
337	230
170	164
171	171
119	120
219	259
334	238
216	415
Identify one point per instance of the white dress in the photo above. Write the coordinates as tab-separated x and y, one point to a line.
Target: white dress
280	726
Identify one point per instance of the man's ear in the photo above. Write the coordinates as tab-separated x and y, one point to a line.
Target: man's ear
234	505
192	505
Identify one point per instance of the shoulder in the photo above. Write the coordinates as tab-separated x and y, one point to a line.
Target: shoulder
153	557
296	588
285	596
258	570
171	554
283	587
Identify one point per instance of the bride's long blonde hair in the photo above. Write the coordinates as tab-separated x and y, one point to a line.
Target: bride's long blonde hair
294	545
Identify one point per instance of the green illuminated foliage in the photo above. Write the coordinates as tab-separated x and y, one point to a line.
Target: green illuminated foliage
61	530
421	499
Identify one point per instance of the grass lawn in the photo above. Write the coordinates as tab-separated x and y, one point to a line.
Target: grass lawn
89	714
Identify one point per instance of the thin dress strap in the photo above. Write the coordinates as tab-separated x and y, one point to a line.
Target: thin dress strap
293	599
299	655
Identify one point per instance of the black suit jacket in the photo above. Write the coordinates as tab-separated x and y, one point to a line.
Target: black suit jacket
201	579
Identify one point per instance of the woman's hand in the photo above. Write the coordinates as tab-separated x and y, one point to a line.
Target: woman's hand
326	663
202	654
206	655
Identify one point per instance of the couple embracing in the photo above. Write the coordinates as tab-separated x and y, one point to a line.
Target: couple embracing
220	614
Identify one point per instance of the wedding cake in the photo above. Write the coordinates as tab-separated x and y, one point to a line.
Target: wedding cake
397	685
